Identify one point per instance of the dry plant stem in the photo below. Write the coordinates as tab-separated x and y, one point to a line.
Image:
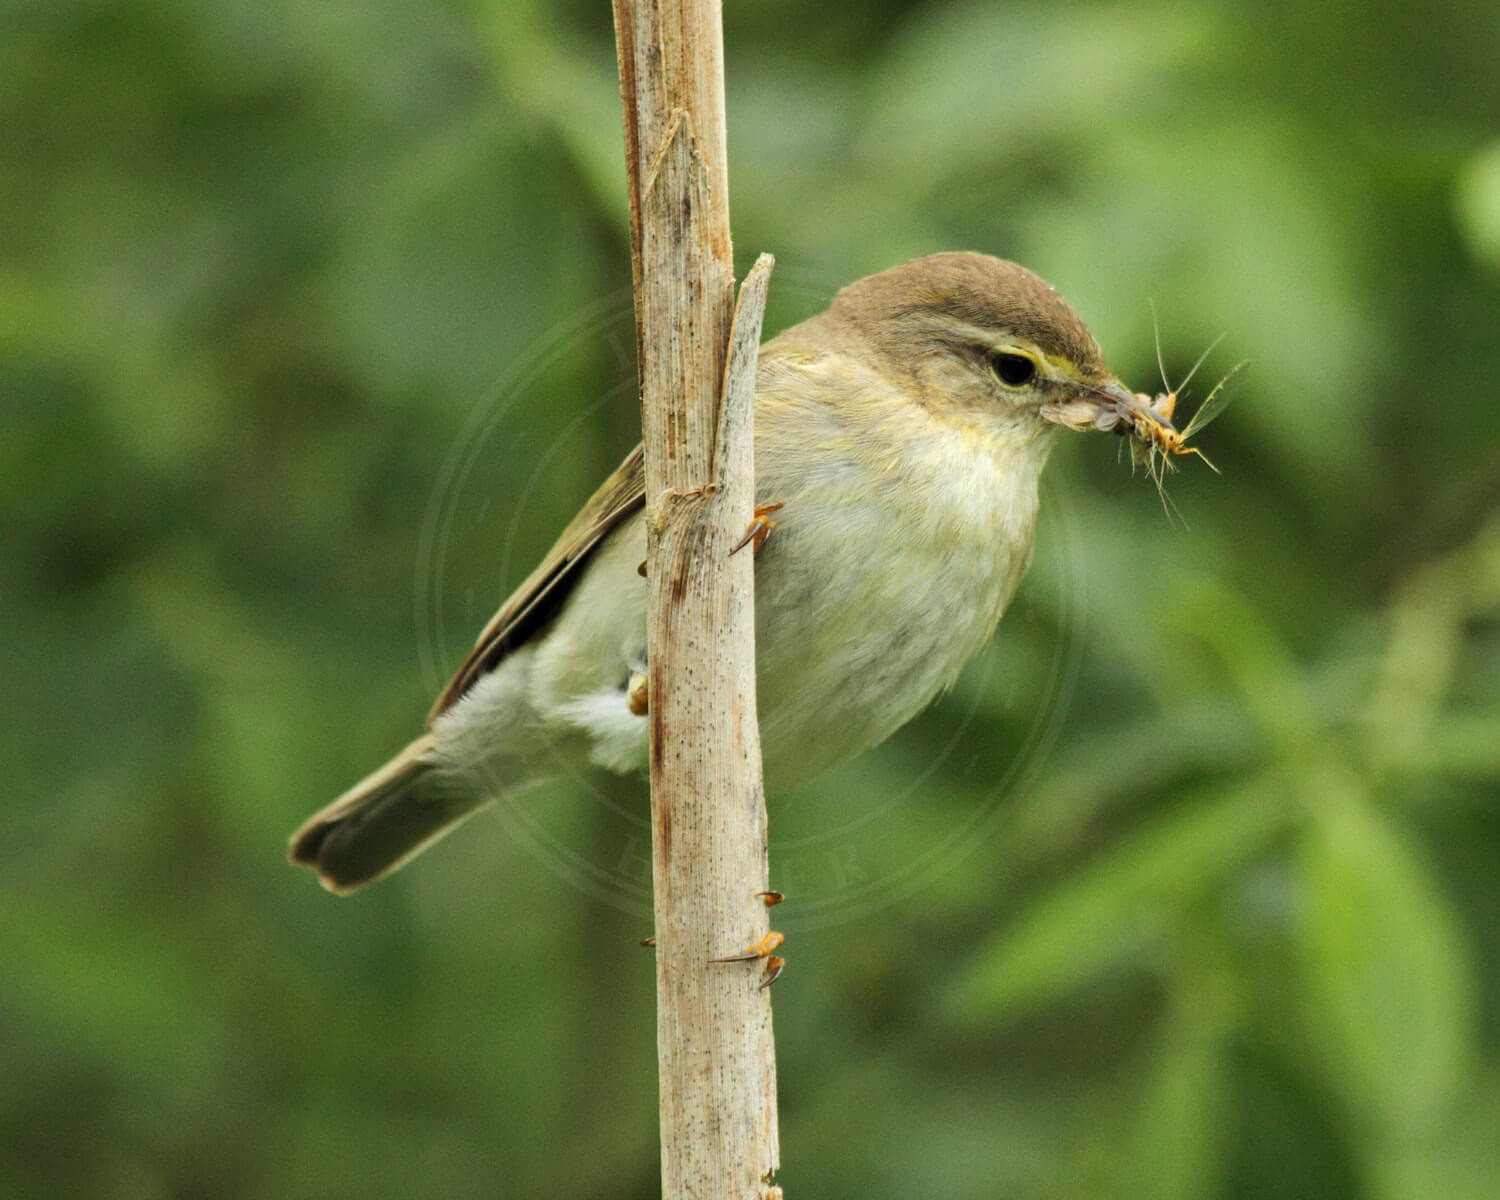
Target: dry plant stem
697	360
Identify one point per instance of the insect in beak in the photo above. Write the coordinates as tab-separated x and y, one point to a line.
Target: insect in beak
1128	412
1145	421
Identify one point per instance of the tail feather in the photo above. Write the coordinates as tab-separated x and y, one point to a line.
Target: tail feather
382	821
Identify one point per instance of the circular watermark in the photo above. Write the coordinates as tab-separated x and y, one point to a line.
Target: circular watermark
865	837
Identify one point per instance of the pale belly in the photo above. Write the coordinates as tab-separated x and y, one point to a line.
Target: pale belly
858	628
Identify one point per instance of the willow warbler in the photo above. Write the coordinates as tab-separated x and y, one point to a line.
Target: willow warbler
902	432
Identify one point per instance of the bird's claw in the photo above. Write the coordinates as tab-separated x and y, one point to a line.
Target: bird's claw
760	528
761	950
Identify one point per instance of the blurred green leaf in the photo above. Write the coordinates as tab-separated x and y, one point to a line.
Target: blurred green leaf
1477	198
1059	74
1107	909
1460	1160
1257	659
1387	969
1461	745
1183	1128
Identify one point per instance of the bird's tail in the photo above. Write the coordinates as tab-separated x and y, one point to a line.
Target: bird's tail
383	820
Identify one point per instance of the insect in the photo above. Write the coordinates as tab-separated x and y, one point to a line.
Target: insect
1154	439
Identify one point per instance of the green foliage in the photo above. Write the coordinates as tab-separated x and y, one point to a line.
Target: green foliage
1112	909
1187	889
1389	987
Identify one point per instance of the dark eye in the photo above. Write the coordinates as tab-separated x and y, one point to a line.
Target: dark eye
1012	369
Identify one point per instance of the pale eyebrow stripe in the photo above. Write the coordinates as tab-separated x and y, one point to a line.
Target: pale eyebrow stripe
993	341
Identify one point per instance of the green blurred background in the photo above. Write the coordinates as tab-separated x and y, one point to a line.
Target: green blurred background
310	318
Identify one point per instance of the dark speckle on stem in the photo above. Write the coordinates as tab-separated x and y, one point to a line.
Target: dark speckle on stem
664	830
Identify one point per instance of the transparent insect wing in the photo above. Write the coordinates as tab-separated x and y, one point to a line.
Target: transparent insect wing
1214	405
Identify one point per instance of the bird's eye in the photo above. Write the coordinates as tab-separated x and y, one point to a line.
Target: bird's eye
1012	369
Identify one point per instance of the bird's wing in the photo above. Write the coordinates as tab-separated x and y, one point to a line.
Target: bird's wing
538	600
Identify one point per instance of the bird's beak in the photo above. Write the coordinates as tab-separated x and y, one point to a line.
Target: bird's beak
1104	407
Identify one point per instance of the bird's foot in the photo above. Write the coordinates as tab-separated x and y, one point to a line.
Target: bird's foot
761	524
761	950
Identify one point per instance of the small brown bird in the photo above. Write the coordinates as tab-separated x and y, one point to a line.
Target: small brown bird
899	438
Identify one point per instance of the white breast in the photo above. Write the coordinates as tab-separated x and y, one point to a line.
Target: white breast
889	571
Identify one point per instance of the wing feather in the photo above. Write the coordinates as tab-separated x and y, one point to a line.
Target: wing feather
532	605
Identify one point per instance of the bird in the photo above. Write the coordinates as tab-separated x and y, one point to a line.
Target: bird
900	436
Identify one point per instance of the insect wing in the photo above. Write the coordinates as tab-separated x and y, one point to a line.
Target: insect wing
1216	403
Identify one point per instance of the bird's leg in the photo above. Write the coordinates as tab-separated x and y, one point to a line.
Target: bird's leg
761	524
763	948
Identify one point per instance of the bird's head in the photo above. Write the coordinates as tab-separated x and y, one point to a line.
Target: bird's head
985	341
